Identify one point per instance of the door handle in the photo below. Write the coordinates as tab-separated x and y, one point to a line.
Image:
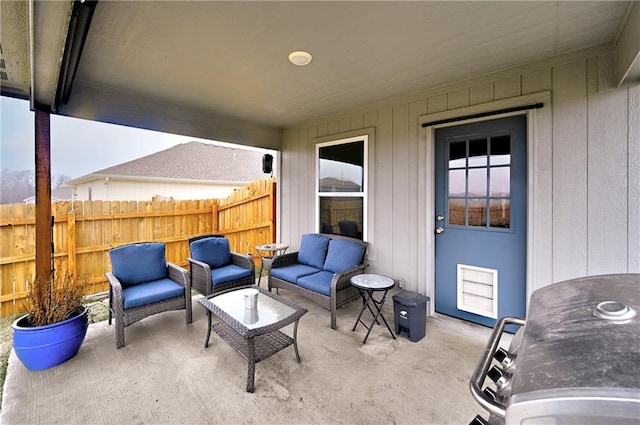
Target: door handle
439	230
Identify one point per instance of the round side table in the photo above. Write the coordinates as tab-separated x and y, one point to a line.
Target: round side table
267	252
368	285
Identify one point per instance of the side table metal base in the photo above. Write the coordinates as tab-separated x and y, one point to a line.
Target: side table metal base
367	301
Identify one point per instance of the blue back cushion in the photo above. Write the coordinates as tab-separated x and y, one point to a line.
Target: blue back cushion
343	255
313	250
137	263
213	251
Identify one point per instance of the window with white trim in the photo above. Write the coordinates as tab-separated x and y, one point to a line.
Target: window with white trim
341	187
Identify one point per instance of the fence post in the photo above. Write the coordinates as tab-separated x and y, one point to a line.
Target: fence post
214	217
71	242
272	194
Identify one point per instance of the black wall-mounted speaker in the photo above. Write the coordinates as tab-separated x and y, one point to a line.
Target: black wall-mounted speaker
267	163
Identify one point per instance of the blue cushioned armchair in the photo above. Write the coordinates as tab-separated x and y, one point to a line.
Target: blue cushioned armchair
142	283
214	268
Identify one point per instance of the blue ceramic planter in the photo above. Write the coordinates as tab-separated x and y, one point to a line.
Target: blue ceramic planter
47	346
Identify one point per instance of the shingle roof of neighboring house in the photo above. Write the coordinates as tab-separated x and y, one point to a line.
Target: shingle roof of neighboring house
59	194
190	161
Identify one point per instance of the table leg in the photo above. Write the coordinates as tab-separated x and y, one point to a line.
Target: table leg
206	341
378	305
365	304
251	368
375	319
384	297
260	273
295	341
373	300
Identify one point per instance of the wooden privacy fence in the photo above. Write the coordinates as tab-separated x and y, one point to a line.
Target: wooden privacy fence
85	231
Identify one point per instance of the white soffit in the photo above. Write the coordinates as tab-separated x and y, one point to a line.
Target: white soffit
628	47
232	57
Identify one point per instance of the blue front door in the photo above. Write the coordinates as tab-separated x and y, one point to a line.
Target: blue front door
481	220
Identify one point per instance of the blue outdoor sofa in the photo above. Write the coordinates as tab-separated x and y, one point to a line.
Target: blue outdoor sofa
321	270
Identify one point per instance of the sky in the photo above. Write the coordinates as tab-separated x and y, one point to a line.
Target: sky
78	147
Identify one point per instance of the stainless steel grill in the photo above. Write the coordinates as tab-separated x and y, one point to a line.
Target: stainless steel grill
574	360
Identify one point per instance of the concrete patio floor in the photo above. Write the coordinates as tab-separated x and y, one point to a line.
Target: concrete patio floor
164	375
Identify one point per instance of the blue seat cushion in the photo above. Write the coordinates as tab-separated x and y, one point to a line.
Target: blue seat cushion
293	272
151	292
228	273
318	282
343	255
313	250
138	263
214	251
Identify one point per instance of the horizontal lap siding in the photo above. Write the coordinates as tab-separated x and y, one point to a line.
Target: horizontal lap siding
585	150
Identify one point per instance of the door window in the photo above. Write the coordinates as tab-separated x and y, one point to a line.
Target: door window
479	182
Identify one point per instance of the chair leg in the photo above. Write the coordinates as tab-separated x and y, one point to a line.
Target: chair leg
119	331
189	312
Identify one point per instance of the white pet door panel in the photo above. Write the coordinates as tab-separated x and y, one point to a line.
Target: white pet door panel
477	290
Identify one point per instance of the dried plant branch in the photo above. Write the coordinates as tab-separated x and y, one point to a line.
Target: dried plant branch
54	299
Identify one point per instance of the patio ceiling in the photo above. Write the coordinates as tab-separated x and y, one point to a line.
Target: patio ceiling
220	69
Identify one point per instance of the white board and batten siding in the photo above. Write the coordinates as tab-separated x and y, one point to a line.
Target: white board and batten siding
583	157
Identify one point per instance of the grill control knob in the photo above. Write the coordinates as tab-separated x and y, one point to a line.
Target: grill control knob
499	377
478	420
493	395
504	358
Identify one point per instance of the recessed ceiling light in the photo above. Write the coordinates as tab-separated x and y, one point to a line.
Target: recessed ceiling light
300	58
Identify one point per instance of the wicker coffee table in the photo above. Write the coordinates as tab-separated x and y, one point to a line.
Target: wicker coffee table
253	332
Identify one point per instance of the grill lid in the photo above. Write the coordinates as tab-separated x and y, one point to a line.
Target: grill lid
581	335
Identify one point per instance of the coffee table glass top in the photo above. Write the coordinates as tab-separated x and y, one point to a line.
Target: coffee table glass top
267	312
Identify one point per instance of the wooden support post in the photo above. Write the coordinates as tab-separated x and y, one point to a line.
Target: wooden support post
44	236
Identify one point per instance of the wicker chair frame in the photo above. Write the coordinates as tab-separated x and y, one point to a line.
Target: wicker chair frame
125	317
200	273
341	293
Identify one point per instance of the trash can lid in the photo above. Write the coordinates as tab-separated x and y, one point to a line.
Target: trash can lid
410	298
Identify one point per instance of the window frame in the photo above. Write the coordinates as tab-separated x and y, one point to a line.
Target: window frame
364	138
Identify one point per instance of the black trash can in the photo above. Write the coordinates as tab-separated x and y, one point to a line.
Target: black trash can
410	314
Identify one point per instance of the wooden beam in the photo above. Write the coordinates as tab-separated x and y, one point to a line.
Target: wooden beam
44	236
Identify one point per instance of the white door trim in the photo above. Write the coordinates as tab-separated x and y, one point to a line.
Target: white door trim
427	136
